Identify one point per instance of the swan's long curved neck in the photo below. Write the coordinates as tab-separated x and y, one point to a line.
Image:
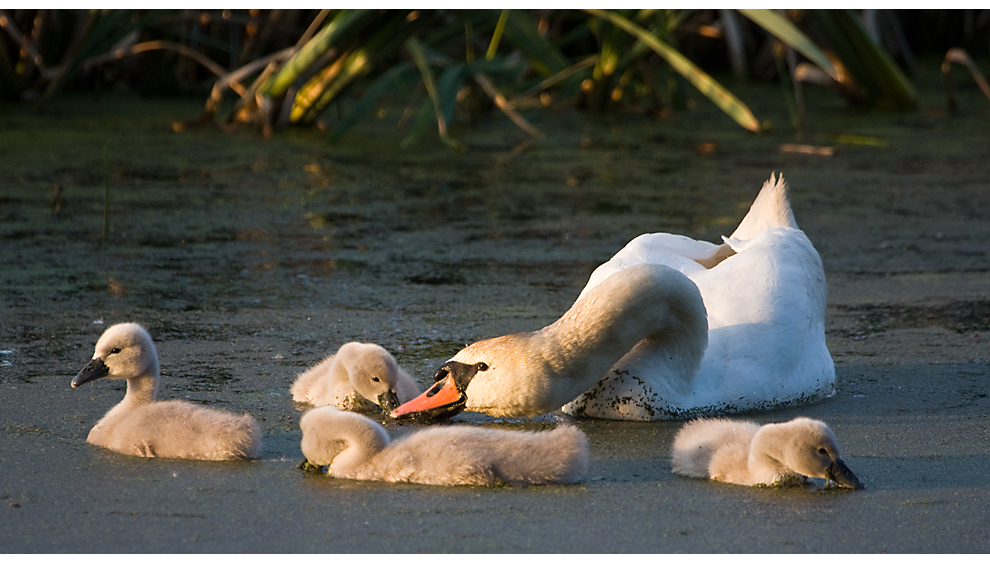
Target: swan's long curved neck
646	301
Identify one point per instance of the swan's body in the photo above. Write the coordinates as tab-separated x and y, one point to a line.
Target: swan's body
526	374
743	452
141	426
359	377
633	345
358	448
764	291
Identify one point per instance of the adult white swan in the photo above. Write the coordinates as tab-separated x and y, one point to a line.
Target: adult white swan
633	345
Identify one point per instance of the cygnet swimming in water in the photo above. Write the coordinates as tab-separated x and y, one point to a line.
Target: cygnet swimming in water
743	452
358	377
141	426
358	448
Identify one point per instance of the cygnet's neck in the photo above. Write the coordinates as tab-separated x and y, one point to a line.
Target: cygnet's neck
142	389
766	454
364	440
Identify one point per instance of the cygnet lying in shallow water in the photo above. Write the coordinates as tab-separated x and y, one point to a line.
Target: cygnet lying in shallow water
141	426
356	447
357	378
743	452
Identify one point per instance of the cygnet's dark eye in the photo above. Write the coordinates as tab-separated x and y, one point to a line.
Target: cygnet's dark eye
375	379
822	451
114	350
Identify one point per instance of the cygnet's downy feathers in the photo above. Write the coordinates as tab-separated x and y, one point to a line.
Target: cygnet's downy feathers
359	377
141	426
743	452
356	447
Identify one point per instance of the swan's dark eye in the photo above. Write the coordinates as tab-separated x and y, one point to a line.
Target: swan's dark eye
822	451
375	379
481	366
114	350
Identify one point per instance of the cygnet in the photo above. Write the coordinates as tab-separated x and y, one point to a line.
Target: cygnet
358	377
141	426
358	448
743	452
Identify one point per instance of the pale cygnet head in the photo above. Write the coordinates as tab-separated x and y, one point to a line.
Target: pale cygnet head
372	371
124	351
809	447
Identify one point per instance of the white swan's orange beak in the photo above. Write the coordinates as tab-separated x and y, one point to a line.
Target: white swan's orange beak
444	399
440	398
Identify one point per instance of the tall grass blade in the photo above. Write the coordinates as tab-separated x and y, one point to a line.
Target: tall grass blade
725	100
500	101
497	35
424	117
449	83
882	83
545	57
321	91
233	77
326	39
548	82
960	57
102	30
419	59
793	37
369	97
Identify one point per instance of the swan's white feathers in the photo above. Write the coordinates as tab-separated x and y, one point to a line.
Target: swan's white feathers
765	305
770	210
637	344
533	373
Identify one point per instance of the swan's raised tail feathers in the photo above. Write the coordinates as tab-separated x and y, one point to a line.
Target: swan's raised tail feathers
770	209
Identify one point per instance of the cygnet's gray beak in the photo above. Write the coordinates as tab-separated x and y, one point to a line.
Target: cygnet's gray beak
388	401
839	473
95	369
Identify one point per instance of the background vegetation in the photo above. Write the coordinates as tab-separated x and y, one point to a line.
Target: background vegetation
276	68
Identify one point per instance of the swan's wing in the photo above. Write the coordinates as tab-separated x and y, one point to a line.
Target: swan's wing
766	318
676	251
766	341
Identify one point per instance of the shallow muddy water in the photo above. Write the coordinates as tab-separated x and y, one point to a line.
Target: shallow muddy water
249	259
